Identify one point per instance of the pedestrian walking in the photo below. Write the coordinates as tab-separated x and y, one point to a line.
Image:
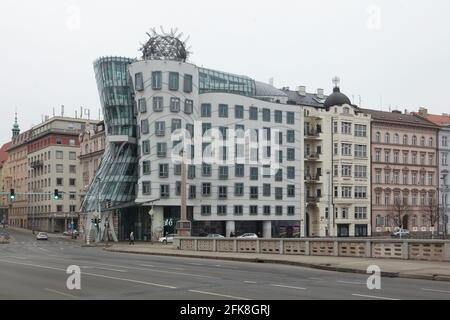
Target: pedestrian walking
132	238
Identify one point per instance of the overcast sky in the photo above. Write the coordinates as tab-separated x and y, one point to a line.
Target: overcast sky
394	53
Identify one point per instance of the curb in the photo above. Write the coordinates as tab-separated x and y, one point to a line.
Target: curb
384	274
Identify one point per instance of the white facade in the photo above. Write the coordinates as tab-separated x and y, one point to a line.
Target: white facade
444	177
241	195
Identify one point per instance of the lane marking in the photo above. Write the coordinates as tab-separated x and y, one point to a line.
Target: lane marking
107	269
351	282
288	287
315	279
218	295
92	274
435	290
196	264
374	297
62	293
14	257
250	282
178	269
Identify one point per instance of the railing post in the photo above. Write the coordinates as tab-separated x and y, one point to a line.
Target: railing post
258	246
405	250
281	246
336	248
214	245
307	248
368	249
196	244
235	245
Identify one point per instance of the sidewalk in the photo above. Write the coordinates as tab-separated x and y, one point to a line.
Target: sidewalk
427	270
50	235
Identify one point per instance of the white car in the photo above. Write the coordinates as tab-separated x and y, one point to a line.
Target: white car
248	236
400	233
167	239
42	236
215	235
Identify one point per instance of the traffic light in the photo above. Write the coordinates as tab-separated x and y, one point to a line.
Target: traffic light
12	195
56	195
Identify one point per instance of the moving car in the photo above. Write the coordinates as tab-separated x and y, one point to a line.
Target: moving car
70	233
215	235
400	233
167	239
248	236
42	236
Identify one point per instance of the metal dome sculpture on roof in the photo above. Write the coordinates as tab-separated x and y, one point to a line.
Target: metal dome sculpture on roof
336	98
165	46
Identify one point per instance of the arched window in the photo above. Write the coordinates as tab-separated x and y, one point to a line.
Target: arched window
378	137
414	140
430	142
396	138
422	142
405	139
387	138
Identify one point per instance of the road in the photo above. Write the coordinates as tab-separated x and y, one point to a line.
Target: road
37	270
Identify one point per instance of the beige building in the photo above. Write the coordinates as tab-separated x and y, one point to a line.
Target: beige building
53	164
4	199
92	147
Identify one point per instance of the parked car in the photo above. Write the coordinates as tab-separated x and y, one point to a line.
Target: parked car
42	236
70	233
403	233
167	239
248	236
4	235
215	235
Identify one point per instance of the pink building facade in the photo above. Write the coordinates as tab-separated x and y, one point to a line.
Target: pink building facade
404	173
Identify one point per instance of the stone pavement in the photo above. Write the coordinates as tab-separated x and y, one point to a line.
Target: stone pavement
428	270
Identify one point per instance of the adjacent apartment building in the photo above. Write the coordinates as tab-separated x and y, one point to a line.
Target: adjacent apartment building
443	122
4	199
53	150
404	172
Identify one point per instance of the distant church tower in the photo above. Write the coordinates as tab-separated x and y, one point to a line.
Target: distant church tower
15	130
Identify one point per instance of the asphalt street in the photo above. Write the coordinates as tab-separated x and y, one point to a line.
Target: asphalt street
31	269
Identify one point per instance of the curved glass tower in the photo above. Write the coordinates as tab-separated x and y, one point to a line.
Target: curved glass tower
115	181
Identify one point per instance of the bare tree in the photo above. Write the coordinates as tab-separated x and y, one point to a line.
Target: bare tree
399	212
432	214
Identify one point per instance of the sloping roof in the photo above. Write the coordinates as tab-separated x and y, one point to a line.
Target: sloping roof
4	153
267	90
398	117
309	99
440	120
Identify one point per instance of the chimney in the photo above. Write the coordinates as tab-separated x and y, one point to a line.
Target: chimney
62	110
320	94
302	90
423	111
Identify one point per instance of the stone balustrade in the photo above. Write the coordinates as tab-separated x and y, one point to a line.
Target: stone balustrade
428	250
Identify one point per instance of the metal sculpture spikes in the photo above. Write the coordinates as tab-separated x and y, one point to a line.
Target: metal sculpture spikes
165	46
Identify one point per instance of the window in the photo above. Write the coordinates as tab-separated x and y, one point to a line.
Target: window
59	208
278	116
206	170
360	130
144	126
187	85
360	192
445	141
405	158
279	175
254	173
290	154
405	140
190	129
346	192
254	193
223	192
174	80
238	189
444	159
422	142
206	210
175	104
266	210
346	171
161	149
239	112
146	188
360	151
344	213
222	210
253	210
430	142
387	156
361	172
396	138
346	128
291	190
360	213
291	173
163	170
430	178
59	155
223	111
290	118
253	113
414	140
291	211
176	124
156	80
205	128
146	167
158	104
206	110
239	170
146	147
142	105
336	149
346	149
59	168
188	106
279	210
431	159
387	138
267	190
266	115
139	82
206	189
378	137
160	128
290	136
223	173
73	169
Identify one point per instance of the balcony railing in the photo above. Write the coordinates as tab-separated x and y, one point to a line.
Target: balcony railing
313	133
37	164
313	156
315	178
313	198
